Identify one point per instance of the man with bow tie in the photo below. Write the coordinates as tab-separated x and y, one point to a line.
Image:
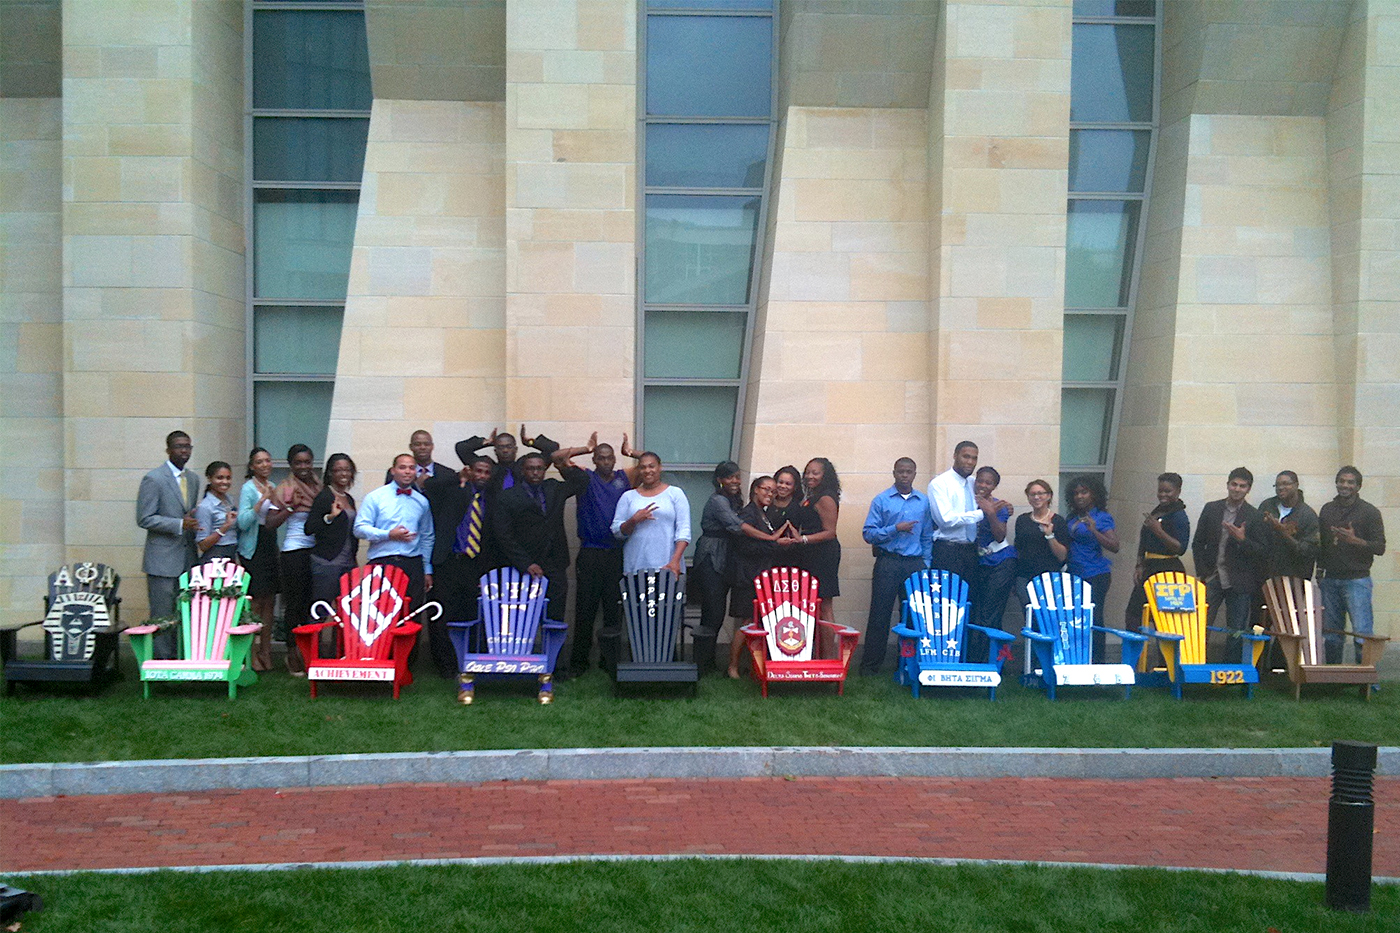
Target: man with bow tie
397	522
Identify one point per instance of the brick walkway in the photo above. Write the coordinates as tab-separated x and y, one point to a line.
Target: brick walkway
1276	824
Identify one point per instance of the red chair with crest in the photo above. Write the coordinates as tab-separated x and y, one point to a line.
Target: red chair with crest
787	640
374	634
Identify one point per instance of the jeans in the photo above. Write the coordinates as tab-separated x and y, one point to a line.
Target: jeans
1240	603
886	587
1342	599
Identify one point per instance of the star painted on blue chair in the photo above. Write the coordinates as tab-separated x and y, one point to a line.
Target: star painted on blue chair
951	644
926	643
937	588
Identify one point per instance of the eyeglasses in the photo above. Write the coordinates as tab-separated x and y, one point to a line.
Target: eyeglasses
1037	494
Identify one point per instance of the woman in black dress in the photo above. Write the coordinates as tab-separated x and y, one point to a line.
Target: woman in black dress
820	552
755	547
331	521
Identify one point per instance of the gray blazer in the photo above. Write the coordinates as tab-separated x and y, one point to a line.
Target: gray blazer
170	550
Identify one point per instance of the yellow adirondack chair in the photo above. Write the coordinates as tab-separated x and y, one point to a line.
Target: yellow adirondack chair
1295	618
1175	617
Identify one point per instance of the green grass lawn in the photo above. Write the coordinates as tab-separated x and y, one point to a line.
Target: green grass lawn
695	895
276	717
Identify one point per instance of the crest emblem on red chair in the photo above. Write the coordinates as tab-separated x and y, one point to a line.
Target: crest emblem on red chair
380	603
791	635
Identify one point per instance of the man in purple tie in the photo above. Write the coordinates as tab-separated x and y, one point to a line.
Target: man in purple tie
530	527
465	549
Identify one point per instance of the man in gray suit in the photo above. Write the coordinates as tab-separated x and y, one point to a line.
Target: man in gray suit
165	508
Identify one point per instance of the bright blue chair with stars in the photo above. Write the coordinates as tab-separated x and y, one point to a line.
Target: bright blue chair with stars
933	635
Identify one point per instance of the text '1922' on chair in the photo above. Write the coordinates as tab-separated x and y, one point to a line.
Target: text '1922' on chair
374	629
1295	617
933	636
81	622
653	603
511	611
787	640
213	645
1175	618
1059	633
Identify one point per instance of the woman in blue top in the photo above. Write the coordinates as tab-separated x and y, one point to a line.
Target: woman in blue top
216	514
1091	532
996	565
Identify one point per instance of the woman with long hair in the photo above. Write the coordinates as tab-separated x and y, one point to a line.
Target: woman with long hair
1091	532
257	551
819	552
331	522
719	522
755	548
216	514
291	505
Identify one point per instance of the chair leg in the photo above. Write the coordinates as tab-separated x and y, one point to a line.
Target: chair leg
466	689
546	690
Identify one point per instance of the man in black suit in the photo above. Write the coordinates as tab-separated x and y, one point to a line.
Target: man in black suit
505	470
530	527
1227	551
420	444
465	548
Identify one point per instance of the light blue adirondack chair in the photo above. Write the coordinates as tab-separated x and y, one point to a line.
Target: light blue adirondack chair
511	609
1059	632
932	636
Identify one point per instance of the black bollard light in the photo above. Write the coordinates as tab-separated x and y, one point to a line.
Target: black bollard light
1350	819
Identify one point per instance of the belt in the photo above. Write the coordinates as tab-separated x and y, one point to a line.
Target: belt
881	552
1148	555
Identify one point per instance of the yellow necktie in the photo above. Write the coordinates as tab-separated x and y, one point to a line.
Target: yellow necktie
184	491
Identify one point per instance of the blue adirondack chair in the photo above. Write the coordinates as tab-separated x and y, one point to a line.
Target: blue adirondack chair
933	634
511	609
653	602
1059	630
1175	618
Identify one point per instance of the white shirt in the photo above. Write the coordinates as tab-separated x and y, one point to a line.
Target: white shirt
955	512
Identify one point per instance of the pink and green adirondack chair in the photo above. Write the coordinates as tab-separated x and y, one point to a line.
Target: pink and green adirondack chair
213	646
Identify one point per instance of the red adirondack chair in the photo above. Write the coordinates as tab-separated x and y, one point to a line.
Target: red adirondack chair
787	640
373	630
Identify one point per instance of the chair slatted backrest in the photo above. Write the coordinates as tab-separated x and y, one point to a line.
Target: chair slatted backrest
1294	608
85	577
1176	604
787	606
512	604
373	599
936	601
211	603
1062	606
72	623
654	604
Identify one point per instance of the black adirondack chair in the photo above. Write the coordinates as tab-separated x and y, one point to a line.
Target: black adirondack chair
653	603
82	619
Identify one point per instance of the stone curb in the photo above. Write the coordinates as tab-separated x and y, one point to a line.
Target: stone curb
584	764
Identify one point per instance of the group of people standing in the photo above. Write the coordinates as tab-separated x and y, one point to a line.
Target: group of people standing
446	527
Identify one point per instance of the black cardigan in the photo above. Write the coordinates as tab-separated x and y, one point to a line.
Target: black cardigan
330	538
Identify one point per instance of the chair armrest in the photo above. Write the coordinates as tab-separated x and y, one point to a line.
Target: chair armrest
1037	636
311	628
250	629
1216	628
1333	631
22	625
837	629
406	628
995	634
551	626
1251	636
1164	636
464	624
1286	636
753	631
136	630
1121	633
904	631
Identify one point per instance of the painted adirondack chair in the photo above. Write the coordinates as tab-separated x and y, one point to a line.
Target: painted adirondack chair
933	635
82	619
1175	618
787	640
1059	632
511	608
653	603
373	627
213	645
1295	618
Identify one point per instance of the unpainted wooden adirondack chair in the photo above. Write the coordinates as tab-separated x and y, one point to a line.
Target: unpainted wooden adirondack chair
82	618
933	635
1059	631
787	640
213	646
1295	618
373	627
653	603
1175	618
511	607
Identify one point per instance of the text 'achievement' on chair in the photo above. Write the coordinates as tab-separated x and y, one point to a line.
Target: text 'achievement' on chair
81	622
653	603
511	610
1059	632
1295	619
213	646
787	640
932	636
373	627
1175	618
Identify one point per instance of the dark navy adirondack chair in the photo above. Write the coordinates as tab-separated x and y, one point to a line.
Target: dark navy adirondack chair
81	622
511	609
1059	631
933	634
653	602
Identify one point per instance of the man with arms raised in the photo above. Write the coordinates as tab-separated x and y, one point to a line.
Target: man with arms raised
530	527
507	469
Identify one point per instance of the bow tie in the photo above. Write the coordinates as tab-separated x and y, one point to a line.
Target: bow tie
405	491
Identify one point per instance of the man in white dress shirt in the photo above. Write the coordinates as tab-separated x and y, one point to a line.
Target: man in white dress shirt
956	512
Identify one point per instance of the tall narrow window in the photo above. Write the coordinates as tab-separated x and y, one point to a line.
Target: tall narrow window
705	139
1113	121
308	101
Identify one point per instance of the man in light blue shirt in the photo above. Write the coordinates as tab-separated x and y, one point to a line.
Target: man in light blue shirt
899	529
397	522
